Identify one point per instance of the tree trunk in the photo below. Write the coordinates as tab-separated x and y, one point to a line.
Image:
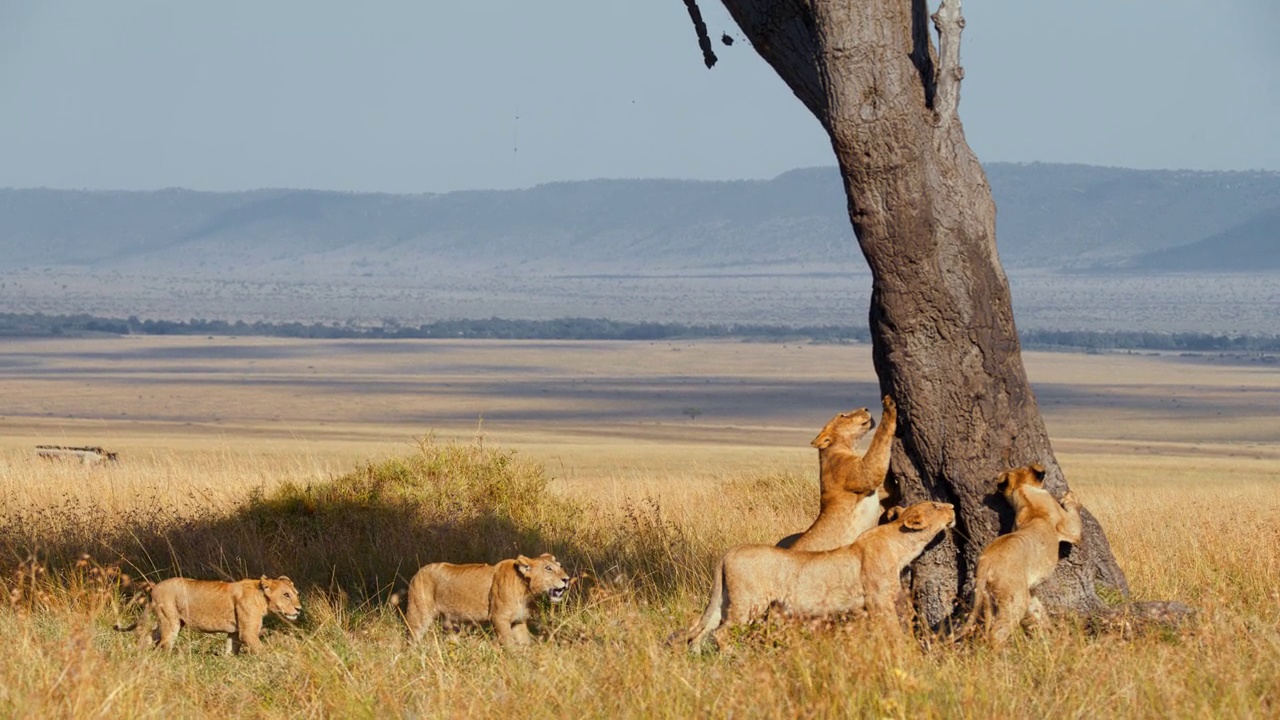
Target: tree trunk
942	328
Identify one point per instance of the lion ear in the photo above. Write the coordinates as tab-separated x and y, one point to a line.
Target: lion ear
262	582
1037	469
524	565
1002	479
548	557
823	441
284	578
914	521
893	513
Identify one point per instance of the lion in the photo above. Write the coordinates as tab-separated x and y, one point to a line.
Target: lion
864	576
476	593
213	606
850	501
1014	564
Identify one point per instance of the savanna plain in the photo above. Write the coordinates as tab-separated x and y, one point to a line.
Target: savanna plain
347	465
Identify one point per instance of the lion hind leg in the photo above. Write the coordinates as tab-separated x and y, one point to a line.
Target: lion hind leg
419	616
1009	616
148	634
736	614
1036	618
981	607
167	627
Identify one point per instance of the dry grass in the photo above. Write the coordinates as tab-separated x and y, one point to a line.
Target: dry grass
1180	528
644	513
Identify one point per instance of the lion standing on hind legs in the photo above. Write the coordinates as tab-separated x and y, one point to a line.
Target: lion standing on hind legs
850	482
1014	564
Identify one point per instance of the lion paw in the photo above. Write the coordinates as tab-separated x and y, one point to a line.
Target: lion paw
1070	500
889	405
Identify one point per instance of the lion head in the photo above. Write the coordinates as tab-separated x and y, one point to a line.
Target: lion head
847	428
1030	476
544	575
282	596
926	516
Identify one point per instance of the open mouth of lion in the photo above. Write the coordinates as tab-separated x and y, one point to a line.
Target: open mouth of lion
556	594
291	616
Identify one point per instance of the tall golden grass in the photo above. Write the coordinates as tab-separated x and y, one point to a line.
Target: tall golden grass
1203	530
252	456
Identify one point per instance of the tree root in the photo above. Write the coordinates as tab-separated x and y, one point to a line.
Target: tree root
1141	618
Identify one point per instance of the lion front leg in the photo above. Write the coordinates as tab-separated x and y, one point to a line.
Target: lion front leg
875	464
511	632
248	629
520	633
883	617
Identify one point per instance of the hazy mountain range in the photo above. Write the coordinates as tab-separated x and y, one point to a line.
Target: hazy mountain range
1061	217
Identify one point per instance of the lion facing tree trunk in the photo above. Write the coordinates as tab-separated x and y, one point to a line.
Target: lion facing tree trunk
850	482
863	578
944	342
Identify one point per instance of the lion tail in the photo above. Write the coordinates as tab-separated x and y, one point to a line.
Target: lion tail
981	605
144	599
397	599
714	613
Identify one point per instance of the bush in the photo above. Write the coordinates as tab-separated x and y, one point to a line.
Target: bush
358	534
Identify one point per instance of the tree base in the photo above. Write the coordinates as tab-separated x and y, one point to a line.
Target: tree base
1141	618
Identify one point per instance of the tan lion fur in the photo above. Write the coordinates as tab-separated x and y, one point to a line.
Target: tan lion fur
850	503
213	606
476	593
1014	564
863	576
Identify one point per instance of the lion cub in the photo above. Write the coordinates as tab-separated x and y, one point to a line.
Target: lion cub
475	593
1014	564
750	579
212	606
849	504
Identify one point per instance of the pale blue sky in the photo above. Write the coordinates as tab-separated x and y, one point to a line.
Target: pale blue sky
417	96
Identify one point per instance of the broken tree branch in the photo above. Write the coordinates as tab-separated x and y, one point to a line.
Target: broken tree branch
704	40
949	23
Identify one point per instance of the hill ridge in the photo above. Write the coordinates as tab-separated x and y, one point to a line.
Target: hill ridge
1056	216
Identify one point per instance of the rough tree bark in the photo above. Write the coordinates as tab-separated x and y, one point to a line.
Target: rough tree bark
944	342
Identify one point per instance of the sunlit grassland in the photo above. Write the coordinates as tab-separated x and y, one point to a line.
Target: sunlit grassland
643	500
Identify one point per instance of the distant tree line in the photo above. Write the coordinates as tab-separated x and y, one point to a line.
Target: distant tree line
41	325
1134	340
